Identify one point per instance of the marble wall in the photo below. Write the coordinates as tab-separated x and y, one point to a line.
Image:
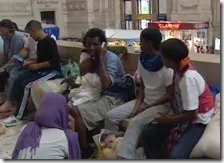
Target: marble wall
197	11
19	11
72	16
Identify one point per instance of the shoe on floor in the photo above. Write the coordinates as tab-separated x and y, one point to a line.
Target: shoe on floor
11	121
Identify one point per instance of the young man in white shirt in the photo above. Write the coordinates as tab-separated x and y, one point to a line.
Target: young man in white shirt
153	95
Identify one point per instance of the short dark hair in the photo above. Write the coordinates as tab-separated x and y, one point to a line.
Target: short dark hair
154	35
95	32
15	27
7	23
33	25
174	49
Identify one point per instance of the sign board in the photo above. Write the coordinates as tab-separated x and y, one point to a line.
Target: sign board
162	17
128	17
143	17
178	25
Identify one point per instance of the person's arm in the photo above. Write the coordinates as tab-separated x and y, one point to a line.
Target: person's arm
17	45
24	52
164	99
186	116
175	119
44	65
53	51
140	99
190	101
107	69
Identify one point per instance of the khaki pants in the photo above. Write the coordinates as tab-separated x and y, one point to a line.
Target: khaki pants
128	147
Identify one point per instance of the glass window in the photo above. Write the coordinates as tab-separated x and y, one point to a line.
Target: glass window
128	14
144	7
127	7
201	34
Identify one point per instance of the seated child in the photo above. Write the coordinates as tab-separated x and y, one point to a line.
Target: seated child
88	88
174	135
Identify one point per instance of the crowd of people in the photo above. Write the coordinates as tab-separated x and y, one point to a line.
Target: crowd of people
169	115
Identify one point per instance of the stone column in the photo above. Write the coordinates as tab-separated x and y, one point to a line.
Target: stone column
122	14
175	6
107	10
154	9
91	16
134	13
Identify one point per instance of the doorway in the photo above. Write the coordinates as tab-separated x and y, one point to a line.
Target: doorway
48	17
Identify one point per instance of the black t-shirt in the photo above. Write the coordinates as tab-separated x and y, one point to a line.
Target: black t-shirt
47	50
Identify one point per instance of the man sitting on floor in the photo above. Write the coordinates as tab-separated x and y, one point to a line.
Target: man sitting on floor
47	66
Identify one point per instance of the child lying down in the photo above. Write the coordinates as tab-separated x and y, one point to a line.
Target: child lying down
88	88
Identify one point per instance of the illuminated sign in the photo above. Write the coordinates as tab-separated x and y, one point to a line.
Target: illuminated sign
201	25
178	25
169	26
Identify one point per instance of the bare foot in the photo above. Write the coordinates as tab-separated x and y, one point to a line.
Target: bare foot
6	114
2	129
6	107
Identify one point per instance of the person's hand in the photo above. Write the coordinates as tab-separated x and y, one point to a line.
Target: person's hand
12	60
171	113
163	119
2	69
34	67
71	122
142	108
103	51
27	63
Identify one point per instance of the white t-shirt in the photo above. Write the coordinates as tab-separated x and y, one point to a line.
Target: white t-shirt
53	145
155	82
31	45
192	85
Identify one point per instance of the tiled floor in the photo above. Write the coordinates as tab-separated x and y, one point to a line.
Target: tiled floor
8	141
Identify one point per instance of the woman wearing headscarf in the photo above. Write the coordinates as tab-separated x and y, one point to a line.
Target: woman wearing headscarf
49	136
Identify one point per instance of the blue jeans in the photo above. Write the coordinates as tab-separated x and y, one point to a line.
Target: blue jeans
9	67
14	74
20	89
154	141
